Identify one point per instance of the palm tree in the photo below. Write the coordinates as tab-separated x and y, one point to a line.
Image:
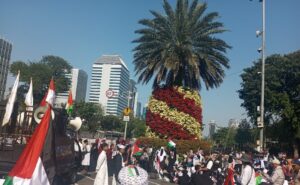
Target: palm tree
180	48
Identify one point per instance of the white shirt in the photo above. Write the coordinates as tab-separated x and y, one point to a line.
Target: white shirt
248	176
209	165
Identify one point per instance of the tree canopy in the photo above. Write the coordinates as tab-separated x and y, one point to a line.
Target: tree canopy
180	47
282	92
41	72
91	113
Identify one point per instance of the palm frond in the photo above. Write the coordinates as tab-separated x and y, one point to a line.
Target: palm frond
180	47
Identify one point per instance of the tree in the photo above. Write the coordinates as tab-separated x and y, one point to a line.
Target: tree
225	137
91	113
136	128
282	106
243	135
180	48
112	123
41	73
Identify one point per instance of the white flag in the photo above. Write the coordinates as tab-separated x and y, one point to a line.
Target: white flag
11	101
29	102
29	96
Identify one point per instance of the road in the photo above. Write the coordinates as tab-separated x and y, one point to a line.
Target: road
89	180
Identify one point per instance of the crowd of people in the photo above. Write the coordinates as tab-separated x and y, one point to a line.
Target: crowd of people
135	164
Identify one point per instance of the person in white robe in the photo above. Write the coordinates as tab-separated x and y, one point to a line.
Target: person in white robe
101	168
87	155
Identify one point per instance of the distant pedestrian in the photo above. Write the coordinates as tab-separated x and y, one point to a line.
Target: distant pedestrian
248	173
118	161
102	171
109	153
278	176
87	155
94	157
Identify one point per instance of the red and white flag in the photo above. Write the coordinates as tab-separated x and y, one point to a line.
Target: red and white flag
31	165
50	95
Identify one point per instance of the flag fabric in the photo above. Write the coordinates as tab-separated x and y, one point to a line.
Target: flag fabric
69	106
29	101
11	101
43	102
171	144
51	93
258	179
36	157
136	150
29	96
49	96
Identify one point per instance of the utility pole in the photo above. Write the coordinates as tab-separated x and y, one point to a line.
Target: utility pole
126	122
262	100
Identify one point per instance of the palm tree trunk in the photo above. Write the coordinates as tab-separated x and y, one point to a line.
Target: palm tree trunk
296	148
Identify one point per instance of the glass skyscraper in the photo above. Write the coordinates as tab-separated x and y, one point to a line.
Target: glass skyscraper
78	85
5	52
110	84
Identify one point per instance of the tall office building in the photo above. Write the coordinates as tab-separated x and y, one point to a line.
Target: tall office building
78	85
233	123
110	84
212	128
144	112
133	97
5	52
139	110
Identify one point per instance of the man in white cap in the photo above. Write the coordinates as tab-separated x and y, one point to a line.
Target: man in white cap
118	162
278	175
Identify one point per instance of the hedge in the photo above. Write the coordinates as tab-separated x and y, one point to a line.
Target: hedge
182	146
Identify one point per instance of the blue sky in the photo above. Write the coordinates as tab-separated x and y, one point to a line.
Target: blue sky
81	31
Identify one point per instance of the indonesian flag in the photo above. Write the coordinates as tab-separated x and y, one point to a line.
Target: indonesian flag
69	106
50	95
37	156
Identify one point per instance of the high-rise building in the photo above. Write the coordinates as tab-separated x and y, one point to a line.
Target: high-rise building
233	123
144	111
78	85
133	97
110	84
5	52
212	128
139	110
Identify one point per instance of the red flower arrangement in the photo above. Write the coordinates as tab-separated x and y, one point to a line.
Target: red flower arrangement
164	127
174	99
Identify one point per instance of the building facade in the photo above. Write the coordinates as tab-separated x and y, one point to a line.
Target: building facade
212	128
133	97
144	112
5	53
233	123
78	85
139	110
110	84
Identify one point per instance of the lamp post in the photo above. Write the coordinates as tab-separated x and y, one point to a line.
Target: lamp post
126	122
262	50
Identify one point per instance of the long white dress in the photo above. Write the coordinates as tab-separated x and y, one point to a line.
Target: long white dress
87	156
101	168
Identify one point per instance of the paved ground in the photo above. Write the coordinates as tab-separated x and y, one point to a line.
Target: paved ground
89	180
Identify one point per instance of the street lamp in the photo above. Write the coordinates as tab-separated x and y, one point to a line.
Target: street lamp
128	102
262	51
